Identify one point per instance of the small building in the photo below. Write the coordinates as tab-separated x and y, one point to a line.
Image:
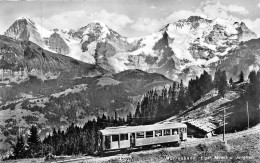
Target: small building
200	128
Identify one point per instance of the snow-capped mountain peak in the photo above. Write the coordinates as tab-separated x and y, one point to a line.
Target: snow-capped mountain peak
96	29
185	45
24	28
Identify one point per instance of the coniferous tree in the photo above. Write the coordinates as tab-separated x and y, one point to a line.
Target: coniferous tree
129	119
182	101
137	113
144	109
19	149
230	81
222	83
173	94
217	78
116	117
252	77
241	77
34	143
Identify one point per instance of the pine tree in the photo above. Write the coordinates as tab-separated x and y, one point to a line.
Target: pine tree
96	56
129	119
116	118
222	84
231	81
19	148
137	113
217	78
173	93
34	143
144	109
241	77
182	101
252	77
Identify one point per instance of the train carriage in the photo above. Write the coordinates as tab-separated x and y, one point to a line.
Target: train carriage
126	137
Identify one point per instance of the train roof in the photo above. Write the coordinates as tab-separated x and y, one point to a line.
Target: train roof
131	129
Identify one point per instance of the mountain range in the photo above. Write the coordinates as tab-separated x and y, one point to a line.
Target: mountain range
55	77
182	49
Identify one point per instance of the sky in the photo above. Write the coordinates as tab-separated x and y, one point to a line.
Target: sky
131	18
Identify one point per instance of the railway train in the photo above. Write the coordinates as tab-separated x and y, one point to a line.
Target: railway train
129	137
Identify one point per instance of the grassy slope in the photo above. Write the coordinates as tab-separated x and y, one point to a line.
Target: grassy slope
210	108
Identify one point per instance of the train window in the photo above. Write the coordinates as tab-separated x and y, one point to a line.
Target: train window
139	135
149	134
167	132
182	130
174	131
123	137
115	137
158	133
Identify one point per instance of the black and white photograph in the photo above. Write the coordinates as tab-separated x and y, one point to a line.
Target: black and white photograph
129	81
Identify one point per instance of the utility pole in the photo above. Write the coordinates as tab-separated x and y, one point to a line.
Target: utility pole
259	113
247	114
224	130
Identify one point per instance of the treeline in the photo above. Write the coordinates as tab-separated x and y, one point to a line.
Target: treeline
79	140
158	105
249	100
74	140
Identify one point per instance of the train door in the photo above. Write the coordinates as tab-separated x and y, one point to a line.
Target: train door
115	143
107	142
132	140
181	133
184	134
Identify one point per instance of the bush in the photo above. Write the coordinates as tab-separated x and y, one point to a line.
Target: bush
202	147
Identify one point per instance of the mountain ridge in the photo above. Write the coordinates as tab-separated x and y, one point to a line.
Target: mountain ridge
190	46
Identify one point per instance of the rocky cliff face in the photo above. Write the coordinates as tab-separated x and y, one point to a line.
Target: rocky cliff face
27	30
57	44
25	56
245	57
108	42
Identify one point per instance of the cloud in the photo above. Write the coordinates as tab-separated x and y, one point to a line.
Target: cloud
217	9
80	18
237	9
207	9
153	7
147	24
153	25
183	14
